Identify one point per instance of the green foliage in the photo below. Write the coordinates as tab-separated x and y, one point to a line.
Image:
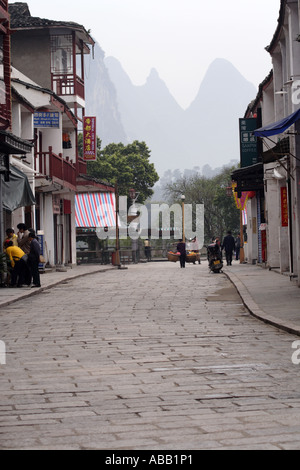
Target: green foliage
220	212
128	166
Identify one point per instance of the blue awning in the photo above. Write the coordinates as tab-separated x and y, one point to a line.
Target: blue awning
278	127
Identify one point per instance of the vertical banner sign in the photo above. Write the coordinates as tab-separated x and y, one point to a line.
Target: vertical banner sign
89	139
248	142
284	208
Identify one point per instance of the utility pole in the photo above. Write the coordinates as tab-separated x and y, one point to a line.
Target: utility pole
183	227
1	216
242	252
117	261
4	170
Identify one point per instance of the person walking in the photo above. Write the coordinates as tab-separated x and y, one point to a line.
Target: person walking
181	249
34	259
237	247
229	247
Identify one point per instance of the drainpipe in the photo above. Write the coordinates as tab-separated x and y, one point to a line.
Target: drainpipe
289	188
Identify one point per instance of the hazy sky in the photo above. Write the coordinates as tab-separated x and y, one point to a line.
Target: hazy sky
178	38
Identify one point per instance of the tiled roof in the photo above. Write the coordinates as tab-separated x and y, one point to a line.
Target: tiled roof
20	18
280	24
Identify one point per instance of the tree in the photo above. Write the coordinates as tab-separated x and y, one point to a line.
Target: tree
129	166
220	212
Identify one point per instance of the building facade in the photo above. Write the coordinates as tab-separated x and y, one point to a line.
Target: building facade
277	105
15	190
48	75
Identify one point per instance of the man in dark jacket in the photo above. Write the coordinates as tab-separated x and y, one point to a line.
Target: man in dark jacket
34	259
229	247
181	249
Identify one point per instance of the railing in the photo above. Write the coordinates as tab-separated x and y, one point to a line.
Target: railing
67	84
52	165
82	166
5	116
4	4
5	113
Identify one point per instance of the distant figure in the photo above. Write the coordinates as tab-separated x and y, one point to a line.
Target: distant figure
147	247
34	259
229	247
181	249
237	246
194	246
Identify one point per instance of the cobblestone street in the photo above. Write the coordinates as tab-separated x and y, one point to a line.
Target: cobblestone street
149	357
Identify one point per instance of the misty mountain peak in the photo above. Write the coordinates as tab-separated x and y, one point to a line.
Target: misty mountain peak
206	132
153	76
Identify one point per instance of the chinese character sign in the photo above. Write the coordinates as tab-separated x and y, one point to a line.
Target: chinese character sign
46	119
89	139
248	142
284	208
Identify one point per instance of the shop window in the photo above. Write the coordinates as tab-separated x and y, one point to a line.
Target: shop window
67	144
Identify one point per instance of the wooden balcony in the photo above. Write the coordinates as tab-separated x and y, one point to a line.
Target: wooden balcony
82	168
4	5
55	167
5	115
68	85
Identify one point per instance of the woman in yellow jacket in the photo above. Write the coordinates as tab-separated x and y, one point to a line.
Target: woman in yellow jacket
18	261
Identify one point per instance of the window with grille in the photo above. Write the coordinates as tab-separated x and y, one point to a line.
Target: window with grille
61	54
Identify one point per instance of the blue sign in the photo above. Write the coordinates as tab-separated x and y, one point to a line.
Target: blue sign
46	119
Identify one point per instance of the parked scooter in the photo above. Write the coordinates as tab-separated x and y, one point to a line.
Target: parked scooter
214	256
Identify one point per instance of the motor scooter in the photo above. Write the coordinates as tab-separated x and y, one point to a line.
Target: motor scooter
214	256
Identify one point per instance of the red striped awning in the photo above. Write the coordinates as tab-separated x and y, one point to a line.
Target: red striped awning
95	210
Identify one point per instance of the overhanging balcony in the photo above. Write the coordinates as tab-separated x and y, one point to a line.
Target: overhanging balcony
55	169
4	9
70	87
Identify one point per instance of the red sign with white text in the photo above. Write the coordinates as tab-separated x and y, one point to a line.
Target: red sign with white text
89	139
284	208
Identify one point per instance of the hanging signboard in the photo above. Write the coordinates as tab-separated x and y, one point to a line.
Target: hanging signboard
240	202
248	142
46	119
284	208
89	139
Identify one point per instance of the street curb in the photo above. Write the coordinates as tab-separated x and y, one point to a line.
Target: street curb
53	284
254	309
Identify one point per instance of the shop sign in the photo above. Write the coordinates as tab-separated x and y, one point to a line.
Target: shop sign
248	142
56	204
89	139
284	208
46	119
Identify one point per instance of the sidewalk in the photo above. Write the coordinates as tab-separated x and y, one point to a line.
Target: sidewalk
268	295
50	279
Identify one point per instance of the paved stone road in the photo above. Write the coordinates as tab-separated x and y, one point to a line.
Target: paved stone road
153	357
